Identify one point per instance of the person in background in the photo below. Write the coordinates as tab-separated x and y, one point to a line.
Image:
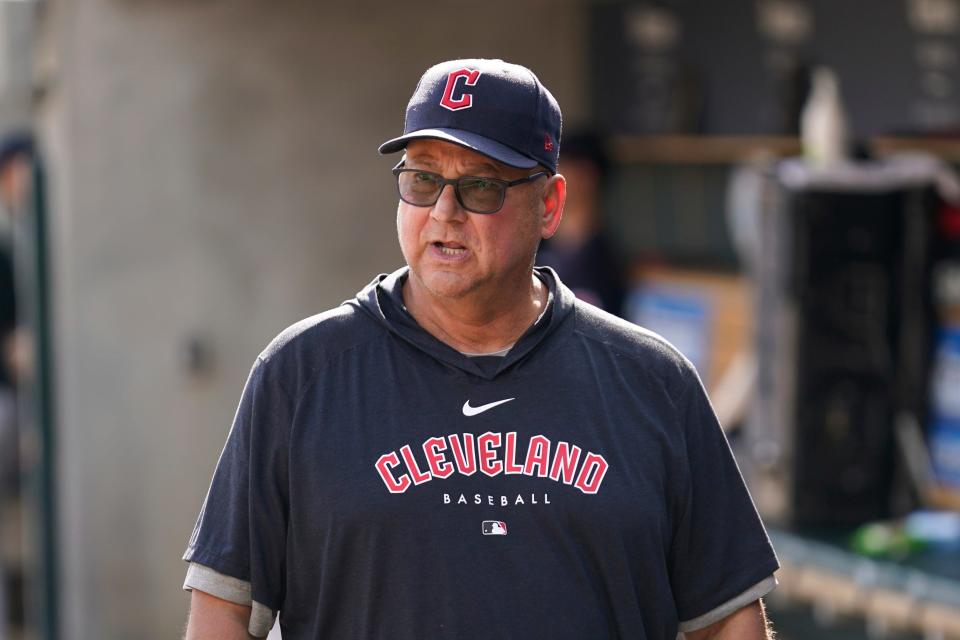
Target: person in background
16	152
580	252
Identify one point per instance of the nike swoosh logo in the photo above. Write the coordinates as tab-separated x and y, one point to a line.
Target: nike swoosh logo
472	411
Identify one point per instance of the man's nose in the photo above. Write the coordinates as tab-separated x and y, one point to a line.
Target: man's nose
447	208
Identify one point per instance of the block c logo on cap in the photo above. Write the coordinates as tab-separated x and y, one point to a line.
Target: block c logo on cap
465	100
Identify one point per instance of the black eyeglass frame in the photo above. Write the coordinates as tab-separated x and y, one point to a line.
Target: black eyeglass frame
455	183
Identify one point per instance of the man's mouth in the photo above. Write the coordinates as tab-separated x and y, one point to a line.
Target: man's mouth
450	248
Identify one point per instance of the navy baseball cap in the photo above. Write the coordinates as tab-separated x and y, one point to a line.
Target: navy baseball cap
490	106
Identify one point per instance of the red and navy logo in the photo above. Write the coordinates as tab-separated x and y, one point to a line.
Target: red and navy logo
494	528
455	97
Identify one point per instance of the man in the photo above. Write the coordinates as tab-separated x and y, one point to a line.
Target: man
465	449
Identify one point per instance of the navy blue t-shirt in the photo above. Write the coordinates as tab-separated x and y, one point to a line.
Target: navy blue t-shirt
377	483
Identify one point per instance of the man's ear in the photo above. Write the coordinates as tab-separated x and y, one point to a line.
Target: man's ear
554	197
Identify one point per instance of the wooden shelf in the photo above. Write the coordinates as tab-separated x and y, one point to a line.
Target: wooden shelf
947	149
722	150
699	149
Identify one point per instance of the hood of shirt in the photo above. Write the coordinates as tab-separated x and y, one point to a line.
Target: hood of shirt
382	299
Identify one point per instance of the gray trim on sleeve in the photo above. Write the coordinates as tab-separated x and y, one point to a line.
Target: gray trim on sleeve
262	618
203	578
755	592
211	581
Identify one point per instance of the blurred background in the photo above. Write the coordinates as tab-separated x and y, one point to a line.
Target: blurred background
768	183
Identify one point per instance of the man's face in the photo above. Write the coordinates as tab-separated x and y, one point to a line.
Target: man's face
452	252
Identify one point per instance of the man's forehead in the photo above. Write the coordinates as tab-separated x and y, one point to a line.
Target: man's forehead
435	151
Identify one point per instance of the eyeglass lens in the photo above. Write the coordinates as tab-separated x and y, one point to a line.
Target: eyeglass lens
480	195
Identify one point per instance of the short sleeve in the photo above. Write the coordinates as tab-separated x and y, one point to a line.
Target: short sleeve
241	530
720	549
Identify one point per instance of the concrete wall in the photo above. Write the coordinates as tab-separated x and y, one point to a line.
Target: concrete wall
16	29
214	178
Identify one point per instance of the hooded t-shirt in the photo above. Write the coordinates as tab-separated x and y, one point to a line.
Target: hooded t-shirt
377	483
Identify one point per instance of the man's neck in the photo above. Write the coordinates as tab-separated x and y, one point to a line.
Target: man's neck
475	323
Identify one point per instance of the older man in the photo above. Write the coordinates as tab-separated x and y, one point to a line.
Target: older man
465	450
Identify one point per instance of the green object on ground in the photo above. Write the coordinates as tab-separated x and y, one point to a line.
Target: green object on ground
884	539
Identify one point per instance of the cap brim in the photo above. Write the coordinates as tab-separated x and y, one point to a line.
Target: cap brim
472	141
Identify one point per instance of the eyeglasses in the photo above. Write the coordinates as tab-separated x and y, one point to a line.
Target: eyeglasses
474	193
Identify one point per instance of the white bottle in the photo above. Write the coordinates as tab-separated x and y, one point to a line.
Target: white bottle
823	123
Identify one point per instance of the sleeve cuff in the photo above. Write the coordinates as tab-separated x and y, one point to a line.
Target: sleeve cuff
752	594
203	578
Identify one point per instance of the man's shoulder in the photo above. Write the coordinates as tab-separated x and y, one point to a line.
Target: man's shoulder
628	340
323	336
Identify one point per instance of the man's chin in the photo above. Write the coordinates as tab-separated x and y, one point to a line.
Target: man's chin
445	284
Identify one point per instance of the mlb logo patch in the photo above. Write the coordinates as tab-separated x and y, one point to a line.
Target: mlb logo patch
494	528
